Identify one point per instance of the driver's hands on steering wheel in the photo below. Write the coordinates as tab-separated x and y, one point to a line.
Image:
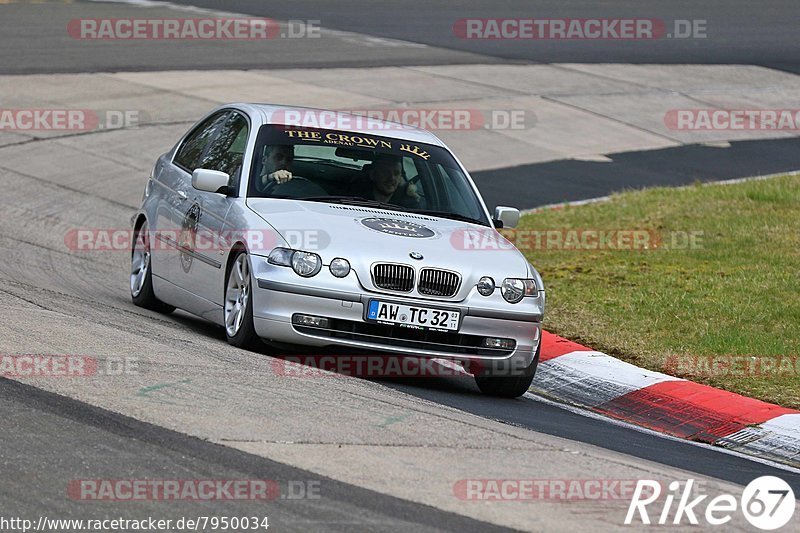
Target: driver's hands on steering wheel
279	176
411	190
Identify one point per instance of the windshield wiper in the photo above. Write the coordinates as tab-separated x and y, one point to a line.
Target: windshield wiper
353	200
448	214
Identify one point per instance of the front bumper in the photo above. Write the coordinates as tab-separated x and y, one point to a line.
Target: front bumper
280	293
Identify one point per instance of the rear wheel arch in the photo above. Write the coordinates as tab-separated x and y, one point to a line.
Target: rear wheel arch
141	265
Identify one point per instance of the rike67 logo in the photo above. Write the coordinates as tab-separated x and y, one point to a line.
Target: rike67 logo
767	503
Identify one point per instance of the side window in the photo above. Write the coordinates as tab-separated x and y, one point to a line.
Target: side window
193	147
226	151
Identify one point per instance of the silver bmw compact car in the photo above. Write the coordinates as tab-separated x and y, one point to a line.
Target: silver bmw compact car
328	232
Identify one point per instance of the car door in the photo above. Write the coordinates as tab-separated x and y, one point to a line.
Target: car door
175	185
203	244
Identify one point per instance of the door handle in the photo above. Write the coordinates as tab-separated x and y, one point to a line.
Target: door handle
182	195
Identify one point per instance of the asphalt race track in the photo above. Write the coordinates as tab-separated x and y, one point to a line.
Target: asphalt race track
385	454
411	35
48	425
738	31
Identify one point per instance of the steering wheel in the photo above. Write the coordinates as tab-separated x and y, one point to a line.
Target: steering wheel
272	184
413	181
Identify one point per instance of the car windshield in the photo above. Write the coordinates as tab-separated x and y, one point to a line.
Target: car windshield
362	169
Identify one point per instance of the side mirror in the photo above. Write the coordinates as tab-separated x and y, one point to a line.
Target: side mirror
210	180
508	217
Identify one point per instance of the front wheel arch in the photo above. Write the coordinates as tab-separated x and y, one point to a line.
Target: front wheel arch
510	386
245	336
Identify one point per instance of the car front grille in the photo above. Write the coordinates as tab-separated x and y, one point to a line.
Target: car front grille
436	282
400	278
393	277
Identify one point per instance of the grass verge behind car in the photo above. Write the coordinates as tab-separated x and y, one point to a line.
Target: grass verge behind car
715	297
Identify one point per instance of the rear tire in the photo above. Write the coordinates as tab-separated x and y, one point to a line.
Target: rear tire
509	386
238	306
141	279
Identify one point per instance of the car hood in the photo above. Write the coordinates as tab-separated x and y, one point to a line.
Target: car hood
365	235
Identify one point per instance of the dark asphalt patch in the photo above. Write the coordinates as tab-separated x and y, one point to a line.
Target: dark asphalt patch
47	440
538	184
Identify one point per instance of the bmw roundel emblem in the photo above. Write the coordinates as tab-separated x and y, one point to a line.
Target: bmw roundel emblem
416	255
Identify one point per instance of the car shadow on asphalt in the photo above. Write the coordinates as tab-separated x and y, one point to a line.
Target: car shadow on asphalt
455	381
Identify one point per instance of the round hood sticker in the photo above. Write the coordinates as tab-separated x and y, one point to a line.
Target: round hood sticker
401	228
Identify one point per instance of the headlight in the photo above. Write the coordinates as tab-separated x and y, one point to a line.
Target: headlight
340	267
306	264
280	257
486	286
514	290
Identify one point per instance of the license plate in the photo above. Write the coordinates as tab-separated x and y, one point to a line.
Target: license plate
412	316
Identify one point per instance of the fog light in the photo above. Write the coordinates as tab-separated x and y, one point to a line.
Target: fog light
309	320
502	344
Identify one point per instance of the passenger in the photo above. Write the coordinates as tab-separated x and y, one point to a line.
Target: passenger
387	183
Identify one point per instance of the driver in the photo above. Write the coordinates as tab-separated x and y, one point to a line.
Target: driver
386	177
277	164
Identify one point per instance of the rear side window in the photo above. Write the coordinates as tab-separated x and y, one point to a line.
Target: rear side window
194	146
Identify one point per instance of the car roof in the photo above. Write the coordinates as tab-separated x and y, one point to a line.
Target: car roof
274	114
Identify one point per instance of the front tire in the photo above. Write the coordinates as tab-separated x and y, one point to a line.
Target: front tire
238	308
141	279
509	386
